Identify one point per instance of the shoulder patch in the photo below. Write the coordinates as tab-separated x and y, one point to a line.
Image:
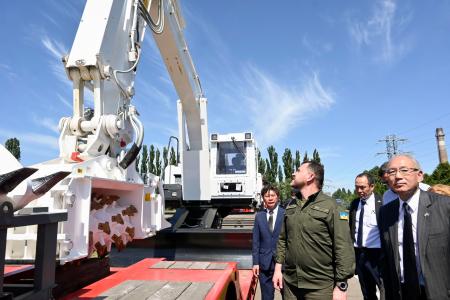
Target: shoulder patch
324	210
343	215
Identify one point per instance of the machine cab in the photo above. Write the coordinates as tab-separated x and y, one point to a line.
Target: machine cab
234	176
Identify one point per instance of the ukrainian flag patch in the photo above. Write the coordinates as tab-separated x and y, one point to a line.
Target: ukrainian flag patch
343	215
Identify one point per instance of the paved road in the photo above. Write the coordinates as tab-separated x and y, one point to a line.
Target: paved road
354	291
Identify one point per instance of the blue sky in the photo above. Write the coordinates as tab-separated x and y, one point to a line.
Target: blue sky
333	75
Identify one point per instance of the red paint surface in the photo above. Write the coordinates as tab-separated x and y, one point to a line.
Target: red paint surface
142	271
248	284
14	269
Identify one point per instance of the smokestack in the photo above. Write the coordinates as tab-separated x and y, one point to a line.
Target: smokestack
443	158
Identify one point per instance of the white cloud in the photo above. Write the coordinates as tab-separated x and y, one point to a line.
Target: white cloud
275	109
64	101
380	32
7	71
48	123
37	139
55	48
315	47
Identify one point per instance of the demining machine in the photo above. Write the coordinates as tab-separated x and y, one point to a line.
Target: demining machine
94	181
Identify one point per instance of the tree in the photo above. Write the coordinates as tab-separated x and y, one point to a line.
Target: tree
316	156
261	164
137	163
151	160
280	174
288	163
173	158
144	168
272	165
380	187
297	160
440	175
157	162
346	196
165	157
306	158
13	146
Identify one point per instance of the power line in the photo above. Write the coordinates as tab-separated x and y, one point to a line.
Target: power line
392	142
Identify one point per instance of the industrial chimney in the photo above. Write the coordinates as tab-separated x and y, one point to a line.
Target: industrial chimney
443	158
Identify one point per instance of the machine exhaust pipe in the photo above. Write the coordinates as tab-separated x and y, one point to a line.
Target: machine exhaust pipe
9	181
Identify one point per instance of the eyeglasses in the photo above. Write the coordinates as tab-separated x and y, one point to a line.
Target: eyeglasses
403	171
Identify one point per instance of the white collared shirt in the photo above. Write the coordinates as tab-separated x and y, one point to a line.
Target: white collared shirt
370	234
413	204
275	212
390	196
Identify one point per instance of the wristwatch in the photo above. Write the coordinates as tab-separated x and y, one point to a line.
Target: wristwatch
342	285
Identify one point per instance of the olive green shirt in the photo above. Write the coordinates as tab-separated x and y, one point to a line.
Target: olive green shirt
315	245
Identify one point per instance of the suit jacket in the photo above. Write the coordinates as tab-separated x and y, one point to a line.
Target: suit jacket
352	213
433	235
264	242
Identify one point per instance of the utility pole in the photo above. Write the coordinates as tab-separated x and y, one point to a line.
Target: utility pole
392	142
443	158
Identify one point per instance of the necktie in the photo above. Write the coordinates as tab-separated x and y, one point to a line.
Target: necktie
270	221
410	276
360	224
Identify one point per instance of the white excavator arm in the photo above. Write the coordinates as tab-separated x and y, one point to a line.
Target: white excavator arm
192	113
104	58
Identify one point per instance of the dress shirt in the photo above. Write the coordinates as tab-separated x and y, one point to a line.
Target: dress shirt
371	234
389	195
413	204
275	212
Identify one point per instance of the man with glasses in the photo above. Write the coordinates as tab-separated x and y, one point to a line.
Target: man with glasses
415	236
390	195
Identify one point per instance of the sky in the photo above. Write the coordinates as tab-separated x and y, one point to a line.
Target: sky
336	76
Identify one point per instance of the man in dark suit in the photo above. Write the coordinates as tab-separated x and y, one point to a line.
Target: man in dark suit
364	215
265	237
415	236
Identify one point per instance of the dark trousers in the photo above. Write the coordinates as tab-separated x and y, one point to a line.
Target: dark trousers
291	292
266	284
406	292
368	271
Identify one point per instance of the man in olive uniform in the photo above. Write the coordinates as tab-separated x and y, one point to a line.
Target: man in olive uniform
315	245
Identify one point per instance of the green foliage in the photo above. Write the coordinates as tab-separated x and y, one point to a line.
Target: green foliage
151	160
305	158
440	175
261	164
288	163
165	157
136	164
280	174
158	162
316	156
13	146
271	165
173	157
285	189
297	160
144	162
380	187
345	195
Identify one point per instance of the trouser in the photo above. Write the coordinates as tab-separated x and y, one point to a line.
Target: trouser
266	284
291	292
406	293
368	271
